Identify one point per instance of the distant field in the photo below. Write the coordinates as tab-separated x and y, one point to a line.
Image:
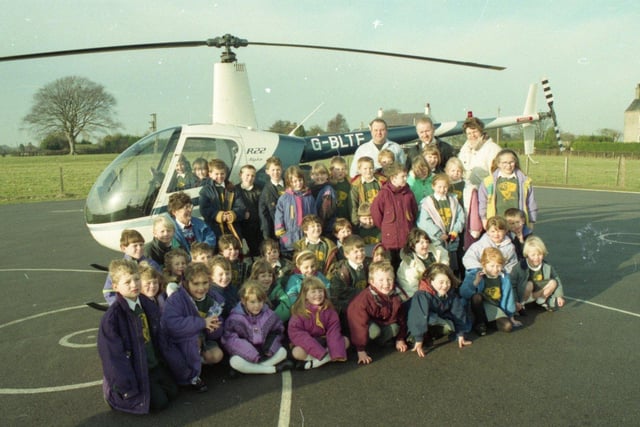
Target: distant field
33	179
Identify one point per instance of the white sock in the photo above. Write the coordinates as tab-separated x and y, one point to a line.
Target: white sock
312	362
246	367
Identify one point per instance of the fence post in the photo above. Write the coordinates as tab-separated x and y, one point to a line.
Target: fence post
620	173
566	169
61	182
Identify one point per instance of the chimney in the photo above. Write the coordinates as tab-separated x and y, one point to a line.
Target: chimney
638	91
380	112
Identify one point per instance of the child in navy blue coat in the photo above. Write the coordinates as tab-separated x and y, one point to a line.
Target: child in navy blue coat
436	308
132	347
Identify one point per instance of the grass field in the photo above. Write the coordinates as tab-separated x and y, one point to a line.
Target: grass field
33	179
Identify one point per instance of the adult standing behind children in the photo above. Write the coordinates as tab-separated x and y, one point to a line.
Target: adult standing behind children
427	138
379	141
188	229
479	150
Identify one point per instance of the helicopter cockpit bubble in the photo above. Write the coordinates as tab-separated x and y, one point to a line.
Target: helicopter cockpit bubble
128	187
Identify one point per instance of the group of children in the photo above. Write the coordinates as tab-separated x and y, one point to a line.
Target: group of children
336	263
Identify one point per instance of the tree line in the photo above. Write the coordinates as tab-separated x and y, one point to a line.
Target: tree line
70	110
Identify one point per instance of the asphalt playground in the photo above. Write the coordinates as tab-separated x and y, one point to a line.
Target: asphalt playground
577	366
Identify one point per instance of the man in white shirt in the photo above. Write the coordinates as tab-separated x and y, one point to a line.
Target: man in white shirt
379	141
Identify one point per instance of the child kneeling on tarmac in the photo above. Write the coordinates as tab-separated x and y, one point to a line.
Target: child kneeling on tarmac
377	313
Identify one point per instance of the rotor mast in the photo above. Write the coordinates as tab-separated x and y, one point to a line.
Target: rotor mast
232	100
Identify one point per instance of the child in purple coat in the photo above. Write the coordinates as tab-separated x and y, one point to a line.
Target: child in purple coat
192	322
314	327
253	334
132	347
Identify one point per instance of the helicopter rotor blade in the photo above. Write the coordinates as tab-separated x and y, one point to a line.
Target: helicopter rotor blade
103	49
228	41
382	53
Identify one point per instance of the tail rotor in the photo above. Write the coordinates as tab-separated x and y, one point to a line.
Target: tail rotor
549	98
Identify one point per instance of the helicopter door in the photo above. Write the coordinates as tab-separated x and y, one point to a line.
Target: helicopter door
187	162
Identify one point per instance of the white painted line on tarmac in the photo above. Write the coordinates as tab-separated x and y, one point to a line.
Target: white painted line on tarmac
285	401
48	389
68	211
46	313
604	306
65	341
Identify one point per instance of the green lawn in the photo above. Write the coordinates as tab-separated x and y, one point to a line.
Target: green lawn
32	179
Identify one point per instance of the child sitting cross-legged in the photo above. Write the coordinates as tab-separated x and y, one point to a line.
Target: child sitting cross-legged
253	334
314	328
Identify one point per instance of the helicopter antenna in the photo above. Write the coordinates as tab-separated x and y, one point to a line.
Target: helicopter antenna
305	119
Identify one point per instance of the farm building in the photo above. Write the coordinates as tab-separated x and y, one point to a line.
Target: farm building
632	119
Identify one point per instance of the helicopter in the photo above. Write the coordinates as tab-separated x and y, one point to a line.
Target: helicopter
124	196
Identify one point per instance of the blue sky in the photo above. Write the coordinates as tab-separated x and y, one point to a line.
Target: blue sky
589	51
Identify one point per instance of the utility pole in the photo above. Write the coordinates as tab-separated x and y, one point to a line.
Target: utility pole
153	122
498	130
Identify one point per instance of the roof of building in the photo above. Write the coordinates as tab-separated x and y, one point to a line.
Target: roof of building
635	106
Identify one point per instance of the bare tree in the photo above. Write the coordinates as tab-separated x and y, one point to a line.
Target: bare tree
71	106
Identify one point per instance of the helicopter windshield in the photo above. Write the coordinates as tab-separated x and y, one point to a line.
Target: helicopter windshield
128	187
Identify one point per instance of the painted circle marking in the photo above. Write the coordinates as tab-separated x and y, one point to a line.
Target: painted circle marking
53	389
65	341
621	238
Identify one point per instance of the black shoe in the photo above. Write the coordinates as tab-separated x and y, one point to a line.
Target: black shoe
481	329
299	365
199	385
285	365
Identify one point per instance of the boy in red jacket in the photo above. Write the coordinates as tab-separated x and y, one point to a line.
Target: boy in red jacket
394	211
377	313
